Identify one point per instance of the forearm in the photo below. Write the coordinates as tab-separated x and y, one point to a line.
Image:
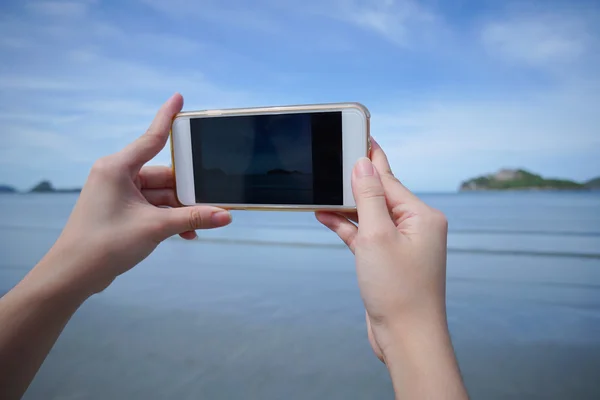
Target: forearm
421	361
32	316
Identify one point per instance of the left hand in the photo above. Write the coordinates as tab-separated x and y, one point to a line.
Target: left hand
400	249
120	216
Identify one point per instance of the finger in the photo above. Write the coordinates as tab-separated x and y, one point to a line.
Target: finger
345	229
156	177
161	197
352	216
189	235
179	220
396	192
370	197
144	148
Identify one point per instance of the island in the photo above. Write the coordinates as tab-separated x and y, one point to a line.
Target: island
47	187
7	189
520	179
593	184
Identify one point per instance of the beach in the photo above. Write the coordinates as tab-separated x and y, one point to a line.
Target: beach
269	308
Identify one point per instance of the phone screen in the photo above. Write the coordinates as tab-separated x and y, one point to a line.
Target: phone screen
282	159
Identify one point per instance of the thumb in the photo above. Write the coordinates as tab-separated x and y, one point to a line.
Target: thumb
183	219
373	214
147	146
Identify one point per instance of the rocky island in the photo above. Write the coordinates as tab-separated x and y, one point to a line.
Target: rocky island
520	179
7	189
593	184
47	187
42	187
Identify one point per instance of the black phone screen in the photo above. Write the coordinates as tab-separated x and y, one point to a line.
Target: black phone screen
281	159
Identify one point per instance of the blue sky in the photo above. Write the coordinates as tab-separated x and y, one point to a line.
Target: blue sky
455	88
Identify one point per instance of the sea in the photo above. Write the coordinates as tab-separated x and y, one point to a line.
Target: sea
269	308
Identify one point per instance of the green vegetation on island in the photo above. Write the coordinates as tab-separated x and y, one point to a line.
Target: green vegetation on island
519	179
593	184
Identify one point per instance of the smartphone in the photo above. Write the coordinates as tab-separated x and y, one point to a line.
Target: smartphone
270	158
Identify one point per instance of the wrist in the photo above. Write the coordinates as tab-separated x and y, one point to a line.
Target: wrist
53	280
46	297
408	332
418	351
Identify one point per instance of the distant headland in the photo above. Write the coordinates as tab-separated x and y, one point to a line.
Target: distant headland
520	179
42	187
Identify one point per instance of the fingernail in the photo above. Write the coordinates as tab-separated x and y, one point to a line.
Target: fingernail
365	167
220	218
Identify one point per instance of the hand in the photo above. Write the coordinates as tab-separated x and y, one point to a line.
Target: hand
121	215
400	248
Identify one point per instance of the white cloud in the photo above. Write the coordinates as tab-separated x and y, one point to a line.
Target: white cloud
78	55
27	83
177	45
116	106
42	117
438	144
90	32
98	111
252	16
537	40
41	145
401	22
85	87
60	9
407	23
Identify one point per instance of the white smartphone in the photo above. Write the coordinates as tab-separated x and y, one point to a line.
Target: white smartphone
271	158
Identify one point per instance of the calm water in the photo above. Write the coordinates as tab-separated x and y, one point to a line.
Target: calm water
268	308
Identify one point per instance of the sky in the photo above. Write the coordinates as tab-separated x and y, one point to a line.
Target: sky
455	89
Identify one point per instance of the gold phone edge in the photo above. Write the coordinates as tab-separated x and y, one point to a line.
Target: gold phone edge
275	109
173	164
255	110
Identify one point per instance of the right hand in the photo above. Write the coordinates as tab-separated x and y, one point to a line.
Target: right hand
400	249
